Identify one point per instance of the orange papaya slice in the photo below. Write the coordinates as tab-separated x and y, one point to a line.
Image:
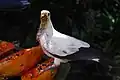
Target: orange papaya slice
35	73
20	61
5	48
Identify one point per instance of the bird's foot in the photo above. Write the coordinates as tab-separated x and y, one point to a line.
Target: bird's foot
48	68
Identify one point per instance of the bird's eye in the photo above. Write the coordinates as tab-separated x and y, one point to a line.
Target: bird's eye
48	14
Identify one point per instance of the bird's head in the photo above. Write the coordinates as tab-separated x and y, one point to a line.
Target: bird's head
44	18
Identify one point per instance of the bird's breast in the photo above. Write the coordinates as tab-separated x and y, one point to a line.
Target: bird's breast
42	40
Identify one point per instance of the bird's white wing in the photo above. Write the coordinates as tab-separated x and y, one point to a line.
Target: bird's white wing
64	45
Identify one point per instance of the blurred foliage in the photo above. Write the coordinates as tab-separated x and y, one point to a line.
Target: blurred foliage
102	27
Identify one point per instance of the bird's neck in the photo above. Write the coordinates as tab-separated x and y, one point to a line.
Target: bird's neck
49	30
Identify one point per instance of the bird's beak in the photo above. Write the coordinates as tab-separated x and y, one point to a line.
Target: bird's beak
44	17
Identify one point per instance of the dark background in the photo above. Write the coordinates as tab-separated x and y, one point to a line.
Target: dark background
94	21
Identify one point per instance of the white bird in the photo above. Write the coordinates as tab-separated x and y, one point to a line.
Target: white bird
61	47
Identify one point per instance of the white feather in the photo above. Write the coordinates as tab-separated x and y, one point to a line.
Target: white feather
58	43
61	44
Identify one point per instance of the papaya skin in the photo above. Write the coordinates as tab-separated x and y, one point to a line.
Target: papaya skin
35	73
21	61
6	48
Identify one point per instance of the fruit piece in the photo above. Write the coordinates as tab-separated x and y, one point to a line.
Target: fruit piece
5	48
21	61
35	73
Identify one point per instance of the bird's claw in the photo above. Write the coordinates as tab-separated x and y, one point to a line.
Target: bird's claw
48	68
